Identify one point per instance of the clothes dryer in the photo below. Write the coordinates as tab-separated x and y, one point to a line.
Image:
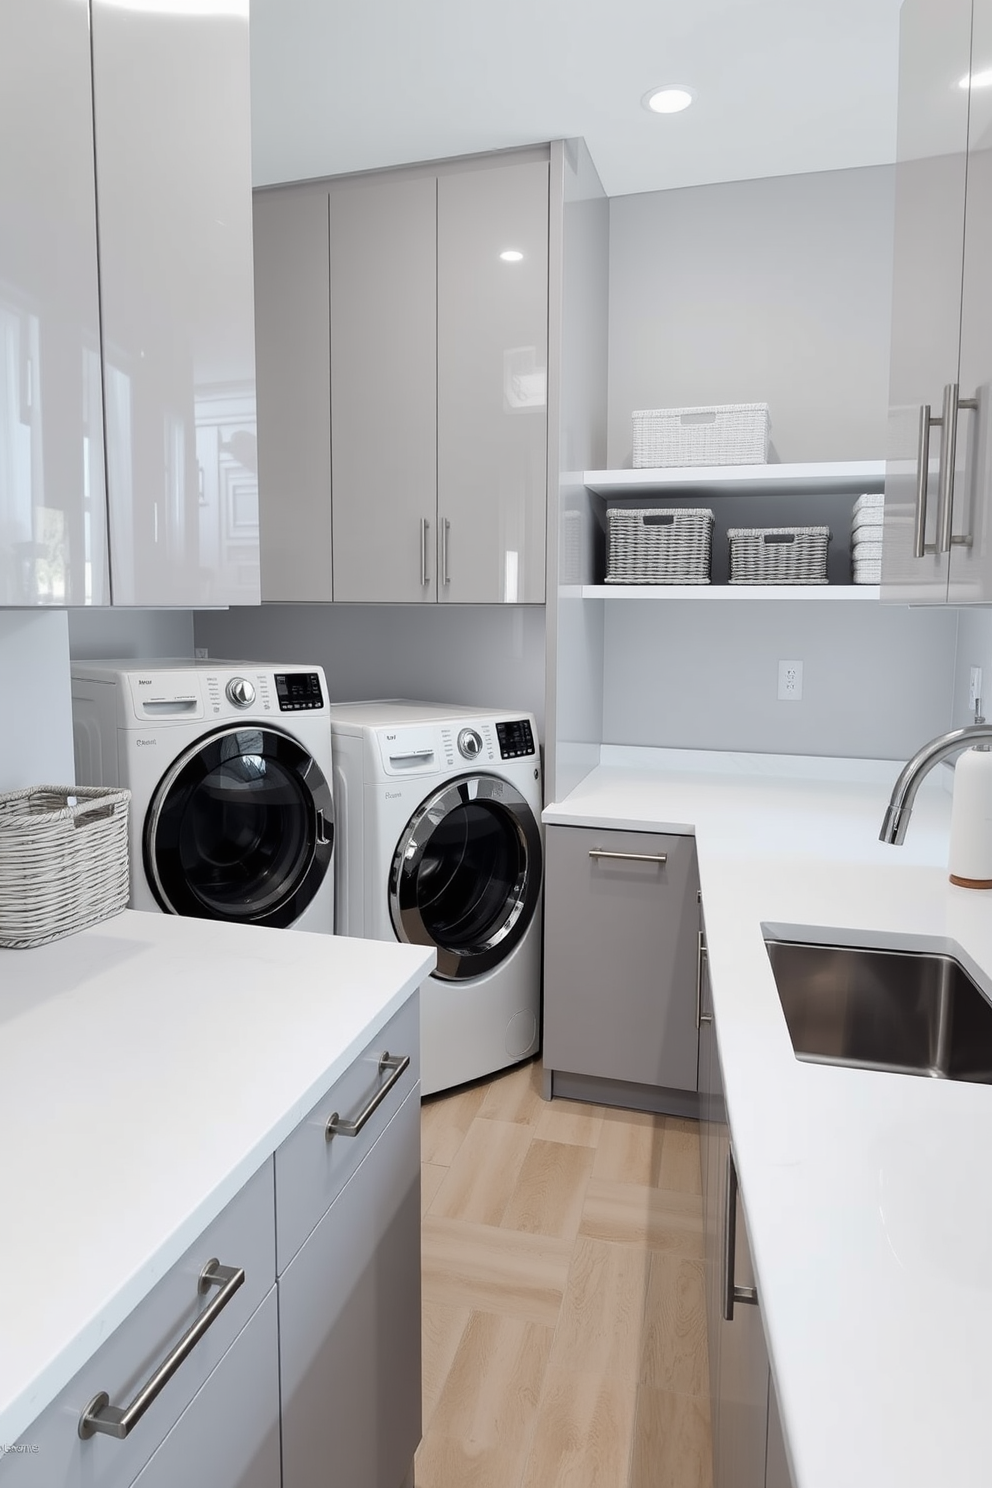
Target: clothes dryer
229	768
440	844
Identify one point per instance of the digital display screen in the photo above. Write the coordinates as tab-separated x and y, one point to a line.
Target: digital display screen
515	739
298	690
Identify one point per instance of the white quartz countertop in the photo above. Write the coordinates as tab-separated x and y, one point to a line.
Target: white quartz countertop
868	1195
148	1067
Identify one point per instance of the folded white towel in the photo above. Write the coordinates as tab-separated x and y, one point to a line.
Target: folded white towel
872	516
869	499
867	573
866	545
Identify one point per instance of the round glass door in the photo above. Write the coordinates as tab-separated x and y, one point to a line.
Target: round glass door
240	828
466	875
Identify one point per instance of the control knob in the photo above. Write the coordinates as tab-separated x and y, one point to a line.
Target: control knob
240	692
469	743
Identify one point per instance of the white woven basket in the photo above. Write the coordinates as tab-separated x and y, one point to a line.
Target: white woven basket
63	861
725	434
657	546
778	555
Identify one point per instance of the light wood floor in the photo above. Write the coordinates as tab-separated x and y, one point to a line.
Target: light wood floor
564	1316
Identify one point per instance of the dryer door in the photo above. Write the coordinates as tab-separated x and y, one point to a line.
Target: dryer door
466	875
240	828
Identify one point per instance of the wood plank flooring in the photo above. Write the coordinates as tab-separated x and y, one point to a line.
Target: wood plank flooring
564	1314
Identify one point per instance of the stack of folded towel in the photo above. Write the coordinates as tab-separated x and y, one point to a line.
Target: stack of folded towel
866	538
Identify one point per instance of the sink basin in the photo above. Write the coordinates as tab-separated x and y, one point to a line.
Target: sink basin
910	1012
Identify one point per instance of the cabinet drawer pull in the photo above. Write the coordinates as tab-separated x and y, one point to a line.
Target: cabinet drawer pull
701	1017
336	1127
927	422
948	450
445	576
425	528
599	852
731	1291
112	1420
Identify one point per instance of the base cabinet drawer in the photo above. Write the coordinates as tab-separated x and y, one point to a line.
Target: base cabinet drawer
349	1326
242	1236
228	1437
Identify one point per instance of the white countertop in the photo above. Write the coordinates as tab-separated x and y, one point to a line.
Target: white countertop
868	1195
148	1067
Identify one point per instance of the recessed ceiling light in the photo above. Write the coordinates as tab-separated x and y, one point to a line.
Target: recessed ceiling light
671	99
511	255
977	79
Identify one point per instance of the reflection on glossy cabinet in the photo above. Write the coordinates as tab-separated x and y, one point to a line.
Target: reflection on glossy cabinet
176	301
53	540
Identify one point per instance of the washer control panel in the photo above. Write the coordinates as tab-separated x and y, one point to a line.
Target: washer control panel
298	691
516	738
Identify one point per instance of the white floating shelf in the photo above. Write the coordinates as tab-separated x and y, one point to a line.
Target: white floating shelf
853	476
805	593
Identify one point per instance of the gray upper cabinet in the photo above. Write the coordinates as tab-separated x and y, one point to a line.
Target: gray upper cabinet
293	380
173	169
384	388
492	427
937	489
620	963
422	475
53	538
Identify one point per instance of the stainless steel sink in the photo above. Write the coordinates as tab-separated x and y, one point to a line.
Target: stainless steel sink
911	1012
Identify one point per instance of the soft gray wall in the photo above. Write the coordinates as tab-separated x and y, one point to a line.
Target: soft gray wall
575	629
487	655
878	680
774	291
98	634
36	714
974	649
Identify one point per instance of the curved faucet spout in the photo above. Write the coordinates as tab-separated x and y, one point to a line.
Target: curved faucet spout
900	807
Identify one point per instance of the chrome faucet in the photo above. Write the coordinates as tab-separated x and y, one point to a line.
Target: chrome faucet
900	807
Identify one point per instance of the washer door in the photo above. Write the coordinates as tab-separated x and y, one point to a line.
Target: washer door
466	876
240	828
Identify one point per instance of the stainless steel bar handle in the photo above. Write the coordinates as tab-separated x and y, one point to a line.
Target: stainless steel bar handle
113	1420
922	478
336	1127
599	852
425	528
701	1017
445	529
731	1292
953	404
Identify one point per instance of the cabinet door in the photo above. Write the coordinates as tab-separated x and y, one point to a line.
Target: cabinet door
170	87
971	529
927	279
228	1437
743	1379
777	1471
620	956
293	377
714	1144
383	388
492	425
52	488
349	1326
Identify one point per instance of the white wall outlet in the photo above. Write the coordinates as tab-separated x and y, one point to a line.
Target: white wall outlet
790	681
200	653
974	687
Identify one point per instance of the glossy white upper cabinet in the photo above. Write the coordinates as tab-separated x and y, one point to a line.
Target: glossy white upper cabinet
492	382
53	542
384	296
173	175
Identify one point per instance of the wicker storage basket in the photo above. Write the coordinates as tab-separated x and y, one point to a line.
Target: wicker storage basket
778	555
729	434
63	861
655	546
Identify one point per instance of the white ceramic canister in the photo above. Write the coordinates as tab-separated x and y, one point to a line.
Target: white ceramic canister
970	856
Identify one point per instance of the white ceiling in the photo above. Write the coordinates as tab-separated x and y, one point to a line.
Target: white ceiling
782	86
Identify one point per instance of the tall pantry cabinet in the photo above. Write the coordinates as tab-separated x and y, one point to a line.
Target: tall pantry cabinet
127	398
938	489
420	310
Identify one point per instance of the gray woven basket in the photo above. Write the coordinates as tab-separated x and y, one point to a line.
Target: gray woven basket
63	861
778	555
653	545
721	434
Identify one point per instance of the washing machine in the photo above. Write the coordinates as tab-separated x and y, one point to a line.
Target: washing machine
439	844
229	769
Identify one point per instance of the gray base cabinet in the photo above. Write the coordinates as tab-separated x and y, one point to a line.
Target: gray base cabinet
620	970
748	1447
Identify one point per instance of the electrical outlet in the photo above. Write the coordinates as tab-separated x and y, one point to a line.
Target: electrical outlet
974	686
200	653
790	681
